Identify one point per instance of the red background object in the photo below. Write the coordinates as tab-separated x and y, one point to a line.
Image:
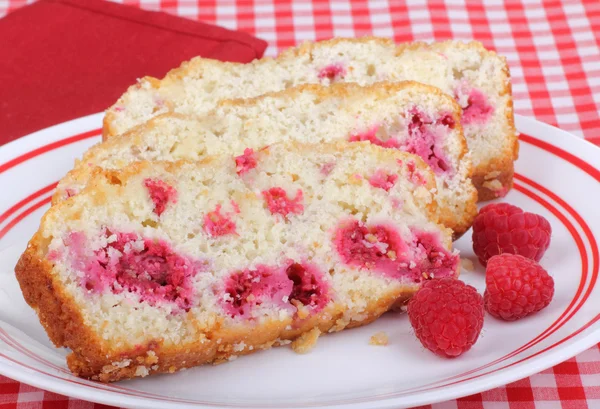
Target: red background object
63	59
553	49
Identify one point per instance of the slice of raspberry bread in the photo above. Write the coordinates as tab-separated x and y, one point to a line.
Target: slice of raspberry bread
167	265
478	78
409	116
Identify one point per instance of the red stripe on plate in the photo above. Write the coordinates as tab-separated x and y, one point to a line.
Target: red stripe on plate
569	157
23	215
28	199
47	148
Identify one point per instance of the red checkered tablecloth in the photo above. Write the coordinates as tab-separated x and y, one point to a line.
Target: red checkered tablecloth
553	49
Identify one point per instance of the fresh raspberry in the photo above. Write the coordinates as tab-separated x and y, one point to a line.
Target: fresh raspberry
447	316
516	287
504	228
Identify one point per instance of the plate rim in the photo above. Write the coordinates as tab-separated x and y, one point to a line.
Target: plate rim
578	344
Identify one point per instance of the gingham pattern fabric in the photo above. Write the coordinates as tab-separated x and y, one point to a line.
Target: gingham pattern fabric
553	49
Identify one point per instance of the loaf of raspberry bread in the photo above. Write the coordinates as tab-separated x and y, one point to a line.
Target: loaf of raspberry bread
409	116
478	79
166	265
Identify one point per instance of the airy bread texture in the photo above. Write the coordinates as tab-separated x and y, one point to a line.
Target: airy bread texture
166	265
406	115
478	78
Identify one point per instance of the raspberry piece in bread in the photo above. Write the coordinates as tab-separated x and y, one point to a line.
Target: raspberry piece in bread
133	293
408	116
478	78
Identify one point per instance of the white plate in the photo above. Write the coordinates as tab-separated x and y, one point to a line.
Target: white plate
558	177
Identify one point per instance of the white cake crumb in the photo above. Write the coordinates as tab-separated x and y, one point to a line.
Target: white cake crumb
306	342
141	371
467	264
122	364
494	184
379	338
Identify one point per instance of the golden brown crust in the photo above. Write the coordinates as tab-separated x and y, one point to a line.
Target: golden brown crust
108	129
459	220
95	359
56	310
494	178
39	292
222	346
501	167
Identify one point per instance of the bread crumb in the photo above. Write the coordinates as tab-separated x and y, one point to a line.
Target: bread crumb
467	264
492	175
303	311
379	338
360	317
340	324
152	358
371	238
122	364
355	179
307	341
493	185
141	371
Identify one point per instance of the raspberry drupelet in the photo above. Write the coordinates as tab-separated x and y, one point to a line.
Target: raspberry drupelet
447	316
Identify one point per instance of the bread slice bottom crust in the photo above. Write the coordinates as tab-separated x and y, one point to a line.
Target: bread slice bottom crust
64	324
